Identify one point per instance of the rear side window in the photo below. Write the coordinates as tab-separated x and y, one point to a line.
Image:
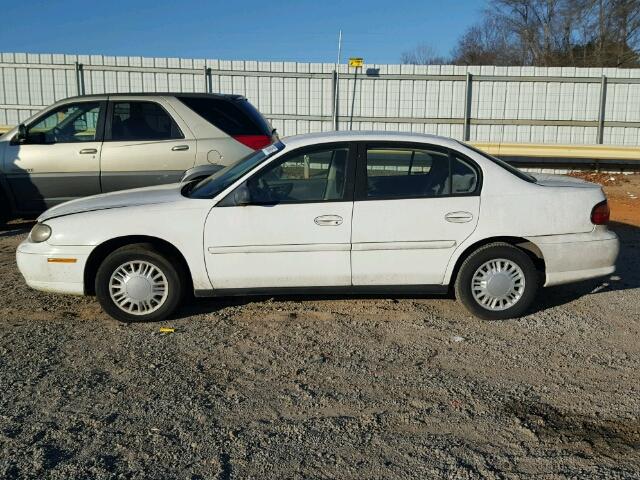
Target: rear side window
407	172
142	121
234	116
464	178
417	173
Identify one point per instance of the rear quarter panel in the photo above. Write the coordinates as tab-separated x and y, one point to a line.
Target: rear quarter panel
511	207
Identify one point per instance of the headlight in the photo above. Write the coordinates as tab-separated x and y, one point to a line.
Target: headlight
40	233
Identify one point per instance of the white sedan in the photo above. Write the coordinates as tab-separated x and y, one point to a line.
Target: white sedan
352	212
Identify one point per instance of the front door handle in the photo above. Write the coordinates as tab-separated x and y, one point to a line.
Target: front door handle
458	217
328	220
179	148
88	151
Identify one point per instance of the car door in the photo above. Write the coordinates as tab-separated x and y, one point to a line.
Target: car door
146	143
295	228
414	204
59	159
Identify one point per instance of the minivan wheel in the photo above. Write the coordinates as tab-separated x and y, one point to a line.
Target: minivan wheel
136	283
4	210
497	281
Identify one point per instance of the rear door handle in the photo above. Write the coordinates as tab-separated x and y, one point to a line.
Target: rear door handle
328	220
179	148
88	151
458	217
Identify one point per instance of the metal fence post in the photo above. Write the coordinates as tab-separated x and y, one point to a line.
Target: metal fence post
601	113
208	80
335	99
80	79
466	135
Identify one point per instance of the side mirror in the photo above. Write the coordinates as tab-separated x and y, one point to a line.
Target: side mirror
242	195
21	136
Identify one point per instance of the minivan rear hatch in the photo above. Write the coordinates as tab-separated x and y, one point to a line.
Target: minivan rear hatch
235	116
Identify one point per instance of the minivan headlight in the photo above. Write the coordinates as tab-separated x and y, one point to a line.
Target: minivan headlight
40	233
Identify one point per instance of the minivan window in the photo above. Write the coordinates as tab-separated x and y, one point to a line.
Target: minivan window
74	122
233	117
134	120
214	184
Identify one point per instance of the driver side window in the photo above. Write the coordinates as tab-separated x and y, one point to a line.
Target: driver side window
312	176
74	122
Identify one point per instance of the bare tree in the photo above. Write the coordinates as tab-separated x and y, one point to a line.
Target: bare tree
422	55
554	33
487	43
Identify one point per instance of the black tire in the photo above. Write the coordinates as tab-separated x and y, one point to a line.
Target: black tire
495	251
169	267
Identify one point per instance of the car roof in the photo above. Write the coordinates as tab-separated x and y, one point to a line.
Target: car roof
367	135
220	96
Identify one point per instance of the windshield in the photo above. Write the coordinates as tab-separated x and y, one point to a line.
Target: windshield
507	166
214	184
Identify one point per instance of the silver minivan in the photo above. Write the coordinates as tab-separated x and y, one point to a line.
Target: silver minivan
94	144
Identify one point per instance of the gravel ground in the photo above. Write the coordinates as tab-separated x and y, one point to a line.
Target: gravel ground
322	387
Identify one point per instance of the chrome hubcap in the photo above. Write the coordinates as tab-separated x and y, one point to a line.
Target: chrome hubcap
138	287
497	284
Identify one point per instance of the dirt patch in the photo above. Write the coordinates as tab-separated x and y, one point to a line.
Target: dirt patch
323	387
623	193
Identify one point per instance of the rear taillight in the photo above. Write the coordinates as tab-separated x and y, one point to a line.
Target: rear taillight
254	141
600	213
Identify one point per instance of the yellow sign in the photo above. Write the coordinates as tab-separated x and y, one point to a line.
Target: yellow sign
356	62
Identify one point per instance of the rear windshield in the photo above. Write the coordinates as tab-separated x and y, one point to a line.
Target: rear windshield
507	166
232	116
214	184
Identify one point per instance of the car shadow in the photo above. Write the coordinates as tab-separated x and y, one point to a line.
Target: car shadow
626	277
199	306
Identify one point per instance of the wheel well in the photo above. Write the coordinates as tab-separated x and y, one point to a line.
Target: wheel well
523	244
101	252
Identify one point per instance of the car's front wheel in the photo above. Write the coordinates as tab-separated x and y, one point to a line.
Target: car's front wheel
497	281
136	283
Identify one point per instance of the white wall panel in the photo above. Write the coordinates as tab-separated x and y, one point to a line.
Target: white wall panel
301	94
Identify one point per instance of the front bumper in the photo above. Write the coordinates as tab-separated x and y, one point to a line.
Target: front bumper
53	268
576	257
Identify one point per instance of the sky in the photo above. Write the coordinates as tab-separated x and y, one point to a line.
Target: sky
287	30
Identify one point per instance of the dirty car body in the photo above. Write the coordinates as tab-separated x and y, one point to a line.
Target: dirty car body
92	144
350	212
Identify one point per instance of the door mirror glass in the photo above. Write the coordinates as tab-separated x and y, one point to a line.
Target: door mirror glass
242	195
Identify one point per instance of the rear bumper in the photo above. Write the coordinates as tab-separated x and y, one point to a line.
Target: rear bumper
53	269
576	257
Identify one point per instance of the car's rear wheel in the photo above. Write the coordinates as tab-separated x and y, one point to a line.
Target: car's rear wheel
136	283
497	281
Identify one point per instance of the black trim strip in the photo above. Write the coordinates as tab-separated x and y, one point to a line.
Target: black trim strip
332	290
